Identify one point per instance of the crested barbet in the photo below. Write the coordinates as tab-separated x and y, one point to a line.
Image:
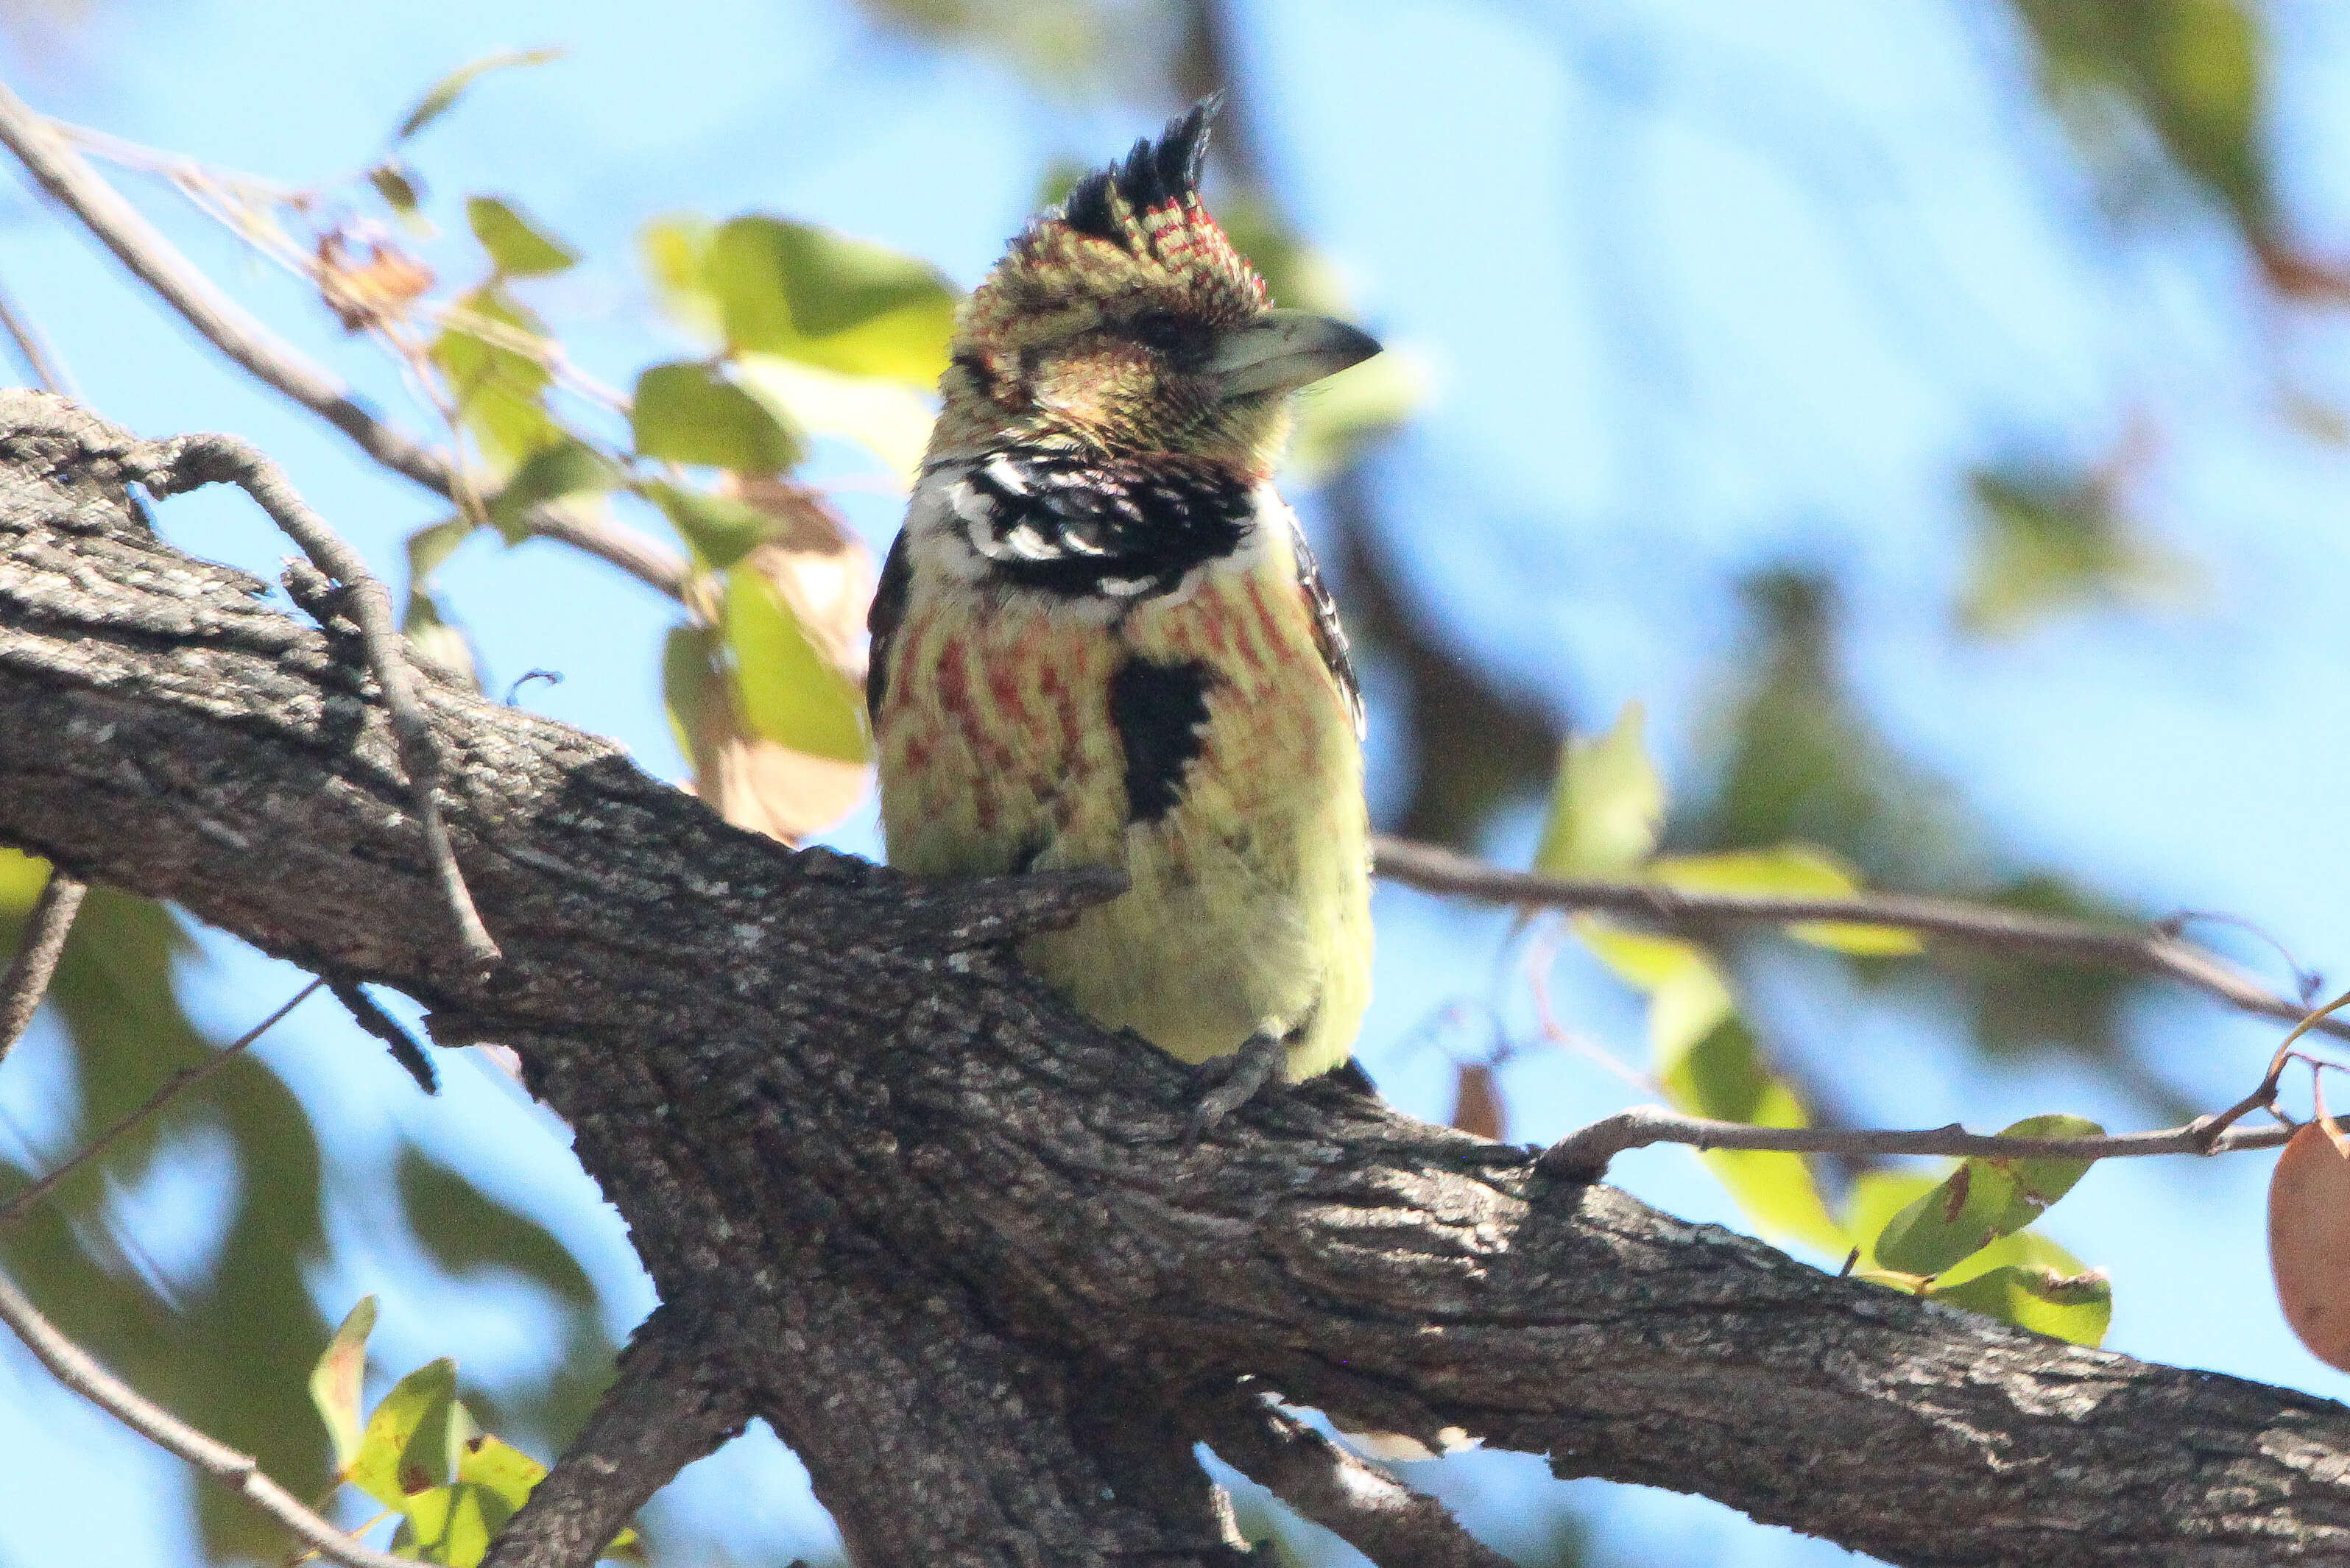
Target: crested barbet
1099	640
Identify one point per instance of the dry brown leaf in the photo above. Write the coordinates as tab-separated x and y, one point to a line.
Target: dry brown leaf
368	293
1477	1102
2309	1242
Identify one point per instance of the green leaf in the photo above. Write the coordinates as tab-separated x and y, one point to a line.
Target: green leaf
22	877
810	295
445	92
2075	1307
1788	870
436	640
676	255
720	529
689	412
790	692
401	190
429	547
2048	540
693	681
500	391
518	247
569	467
411	1443
335	1381
1986	1197
1352	409
1606	806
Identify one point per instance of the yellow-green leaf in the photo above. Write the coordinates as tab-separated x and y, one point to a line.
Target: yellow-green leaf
445	92
689	412
1606	806
517	247
1789	871
790	692
675	251
1986	1197
335	1381
430	546
889	419
413	1440
2075	1307
22	877
845	304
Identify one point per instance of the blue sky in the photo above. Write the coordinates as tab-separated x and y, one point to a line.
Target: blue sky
1698	289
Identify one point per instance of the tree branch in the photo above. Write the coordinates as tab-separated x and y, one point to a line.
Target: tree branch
44	942
1362	1504
74	1368
2139	950
951	1225
138	245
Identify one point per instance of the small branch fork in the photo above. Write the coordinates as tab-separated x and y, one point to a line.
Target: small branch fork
67	176
240	1472
1583	1155
187	463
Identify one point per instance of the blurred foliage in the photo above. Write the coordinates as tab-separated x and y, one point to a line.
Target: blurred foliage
1606	811
2047	541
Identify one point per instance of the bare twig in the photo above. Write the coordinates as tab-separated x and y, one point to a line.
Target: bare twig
240	1472
67	175
2139	948
44	367
1583	1155
1357	1500
188	462
178	1083
27	980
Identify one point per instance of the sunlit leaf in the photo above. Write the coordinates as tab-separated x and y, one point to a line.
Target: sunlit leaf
790	693
675	251
402	190
2075	1307
445	92
518	247
810	294
500	391
1338	418
691	412
889	419
1607	805
335	1381
1986	1197
413	1439
1788	870
429	547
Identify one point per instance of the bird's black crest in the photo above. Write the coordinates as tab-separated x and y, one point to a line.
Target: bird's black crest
1154	174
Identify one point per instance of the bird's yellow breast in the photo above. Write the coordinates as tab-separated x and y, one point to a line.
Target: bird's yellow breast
1248	899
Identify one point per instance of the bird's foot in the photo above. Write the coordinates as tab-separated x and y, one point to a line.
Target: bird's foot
1232	1081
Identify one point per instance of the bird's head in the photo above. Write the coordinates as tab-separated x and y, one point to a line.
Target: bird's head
1124	322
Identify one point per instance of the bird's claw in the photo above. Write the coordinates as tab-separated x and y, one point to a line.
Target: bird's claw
1231	1082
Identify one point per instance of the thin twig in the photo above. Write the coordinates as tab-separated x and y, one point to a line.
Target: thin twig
175	1086
1584	1154
186	462
67	175
27	980
47	371
2139	948
240	1472
1358	1501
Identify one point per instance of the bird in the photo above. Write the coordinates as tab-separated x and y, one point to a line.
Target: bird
1099	640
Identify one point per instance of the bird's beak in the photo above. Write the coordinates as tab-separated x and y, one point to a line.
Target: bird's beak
1283	350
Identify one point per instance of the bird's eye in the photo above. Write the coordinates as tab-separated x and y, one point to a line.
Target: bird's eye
1165	331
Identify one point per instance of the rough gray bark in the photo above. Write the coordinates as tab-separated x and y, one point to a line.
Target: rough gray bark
942	1234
